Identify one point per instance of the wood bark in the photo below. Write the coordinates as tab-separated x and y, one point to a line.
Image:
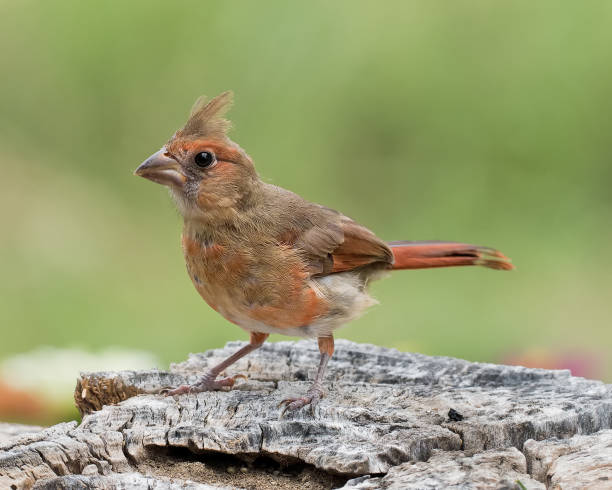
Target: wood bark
389	420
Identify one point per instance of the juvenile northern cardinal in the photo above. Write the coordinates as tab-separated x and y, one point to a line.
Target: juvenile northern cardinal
268	260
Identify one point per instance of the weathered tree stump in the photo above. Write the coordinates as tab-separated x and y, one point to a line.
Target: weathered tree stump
390	420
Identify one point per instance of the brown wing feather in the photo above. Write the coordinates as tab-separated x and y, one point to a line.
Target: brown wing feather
335	243
327	240
360	248
317	245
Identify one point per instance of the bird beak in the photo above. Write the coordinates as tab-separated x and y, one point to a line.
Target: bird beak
162	169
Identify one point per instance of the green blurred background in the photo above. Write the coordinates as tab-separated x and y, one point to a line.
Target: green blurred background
485	122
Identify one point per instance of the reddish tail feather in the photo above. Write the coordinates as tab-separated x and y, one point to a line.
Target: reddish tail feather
423	255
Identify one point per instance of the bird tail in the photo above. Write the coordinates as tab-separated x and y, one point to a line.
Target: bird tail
423	255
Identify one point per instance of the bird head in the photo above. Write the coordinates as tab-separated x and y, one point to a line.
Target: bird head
206	172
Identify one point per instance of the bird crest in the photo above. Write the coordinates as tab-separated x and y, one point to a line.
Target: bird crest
206	118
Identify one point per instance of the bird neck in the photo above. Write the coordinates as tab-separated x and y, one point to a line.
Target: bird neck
226	222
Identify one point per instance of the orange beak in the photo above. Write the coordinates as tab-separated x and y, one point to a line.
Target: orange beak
163	169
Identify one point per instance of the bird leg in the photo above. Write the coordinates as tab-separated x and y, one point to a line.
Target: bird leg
209	381
316	391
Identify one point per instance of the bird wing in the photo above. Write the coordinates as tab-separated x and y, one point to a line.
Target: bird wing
359	248
336	243
326	240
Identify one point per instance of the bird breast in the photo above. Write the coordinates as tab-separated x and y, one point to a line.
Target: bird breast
264	288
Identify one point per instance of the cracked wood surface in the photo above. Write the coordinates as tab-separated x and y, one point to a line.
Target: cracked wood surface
386	415
494	468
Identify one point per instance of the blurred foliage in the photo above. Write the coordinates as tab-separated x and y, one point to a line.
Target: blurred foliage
39	386
485	122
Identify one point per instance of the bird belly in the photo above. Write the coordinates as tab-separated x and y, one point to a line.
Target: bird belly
348	296
329	303
280	299
289	318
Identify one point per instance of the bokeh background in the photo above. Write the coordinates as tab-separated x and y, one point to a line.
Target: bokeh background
485	122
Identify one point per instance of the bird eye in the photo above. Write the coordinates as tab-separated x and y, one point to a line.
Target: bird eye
204	159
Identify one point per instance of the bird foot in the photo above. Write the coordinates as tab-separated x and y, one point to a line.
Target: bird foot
312	397
206	383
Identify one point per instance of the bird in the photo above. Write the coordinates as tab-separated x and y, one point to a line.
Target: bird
270	261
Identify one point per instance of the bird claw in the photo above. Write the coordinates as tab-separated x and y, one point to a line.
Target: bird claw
204	384
312	398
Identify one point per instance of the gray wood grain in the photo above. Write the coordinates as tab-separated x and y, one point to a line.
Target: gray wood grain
386	413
